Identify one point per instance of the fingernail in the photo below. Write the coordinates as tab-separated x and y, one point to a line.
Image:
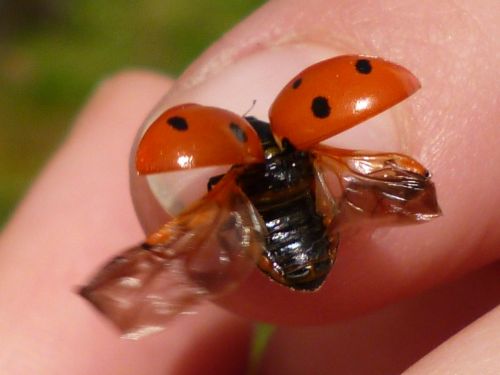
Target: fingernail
257	77
260	77
248	87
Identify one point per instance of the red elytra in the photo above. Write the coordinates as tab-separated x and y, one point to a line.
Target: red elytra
321	101
336	94
191	136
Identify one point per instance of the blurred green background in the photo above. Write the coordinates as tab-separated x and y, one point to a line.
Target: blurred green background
53	52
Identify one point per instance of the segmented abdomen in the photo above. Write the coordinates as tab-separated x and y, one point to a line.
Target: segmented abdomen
297	246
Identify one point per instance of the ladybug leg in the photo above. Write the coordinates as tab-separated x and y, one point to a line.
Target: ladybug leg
214	180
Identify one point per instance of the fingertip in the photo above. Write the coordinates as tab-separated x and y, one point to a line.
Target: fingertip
126	93
474	350
82	194
127	78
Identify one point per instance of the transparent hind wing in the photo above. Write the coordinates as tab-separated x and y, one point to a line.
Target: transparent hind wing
388	186
140	290
204	252
327	206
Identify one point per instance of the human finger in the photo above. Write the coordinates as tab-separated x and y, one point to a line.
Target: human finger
443	125
77	215
392	339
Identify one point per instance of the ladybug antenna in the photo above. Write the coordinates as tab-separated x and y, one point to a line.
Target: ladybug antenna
251	107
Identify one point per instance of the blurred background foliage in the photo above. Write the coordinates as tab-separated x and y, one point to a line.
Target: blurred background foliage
53	52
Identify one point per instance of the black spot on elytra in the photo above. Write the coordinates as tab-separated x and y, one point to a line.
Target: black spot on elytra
363	66
238	132
178	123
297	83
320	107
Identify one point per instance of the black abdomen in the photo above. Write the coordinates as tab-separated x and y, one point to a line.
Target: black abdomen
297	246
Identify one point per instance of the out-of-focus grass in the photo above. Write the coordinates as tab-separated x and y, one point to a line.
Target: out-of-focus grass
262	334
52	53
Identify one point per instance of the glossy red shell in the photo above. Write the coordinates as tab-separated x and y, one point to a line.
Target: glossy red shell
336	94
192	135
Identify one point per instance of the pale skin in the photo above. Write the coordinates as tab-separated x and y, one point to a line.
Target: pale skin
421	297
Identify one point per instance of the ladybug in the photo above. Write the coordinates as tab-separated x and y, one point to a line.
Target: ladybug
273	207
